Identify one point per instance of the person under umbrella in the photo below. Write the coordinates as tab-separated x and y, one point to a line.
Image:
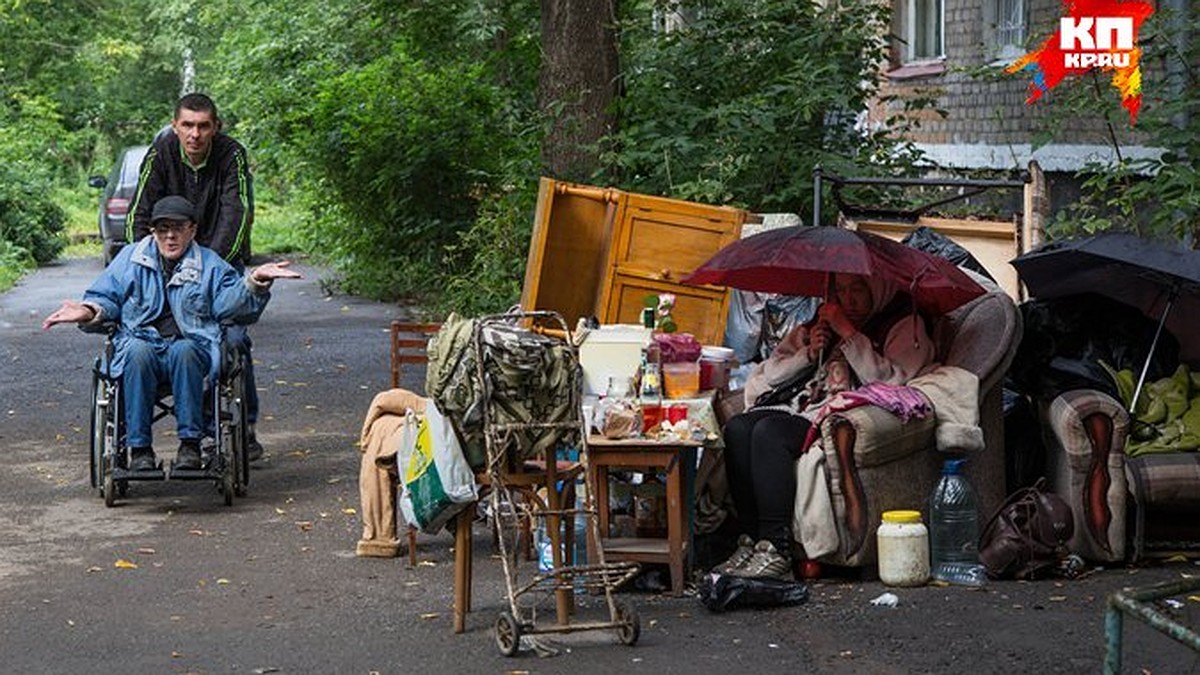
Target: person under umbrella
867	331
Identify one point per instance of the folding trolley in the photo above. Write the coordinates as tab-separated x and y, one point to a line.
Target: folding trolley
521	345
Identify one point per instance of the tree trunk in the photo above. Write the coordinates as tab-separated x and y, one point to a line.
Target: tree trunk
577	83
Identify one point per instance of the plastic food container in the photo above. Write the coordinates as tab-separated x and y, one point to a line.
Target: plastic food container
903	549
682	380
715	364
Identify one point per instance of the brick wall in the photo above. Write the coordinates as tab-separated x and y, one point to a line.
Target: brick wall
987	107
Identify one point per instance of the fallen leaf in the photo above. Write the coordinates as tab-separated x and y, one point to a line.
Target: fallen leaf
222	581
323	514
1194	598
124	564
410	584
426	563
199	533
334	481
310	407
280	381
93	568
304	525
146	551
1057	598
290	500
279	511
430	615
70	623
299	384
176	655
350	510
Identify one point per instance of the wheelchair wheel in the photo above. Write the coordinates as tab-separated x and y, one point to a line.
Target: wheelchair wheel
99	420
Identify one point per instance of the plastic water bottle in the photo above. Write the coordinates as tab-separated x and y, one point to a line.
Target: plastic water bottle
580	525
954	526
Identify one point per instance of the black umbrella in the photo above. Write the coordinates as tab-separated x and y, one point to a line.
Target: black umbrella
1162	281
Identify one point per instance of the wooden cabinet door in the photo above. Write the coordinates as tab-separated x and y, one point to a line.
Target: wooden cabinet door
656	242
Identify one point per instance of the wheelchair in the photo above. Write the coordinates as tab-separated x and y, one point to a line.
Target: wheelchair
224	454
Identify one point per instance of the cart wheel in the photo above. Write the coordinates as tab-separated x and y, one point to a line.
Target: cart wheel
630	628
110	491
508	634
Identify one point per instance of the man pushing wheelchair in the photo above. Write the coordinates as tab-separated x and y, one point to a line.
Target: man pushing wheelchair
168	297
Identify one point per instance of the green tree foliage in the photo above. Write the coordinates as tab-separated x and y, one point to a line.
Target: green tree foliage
391	121
30	222
742	98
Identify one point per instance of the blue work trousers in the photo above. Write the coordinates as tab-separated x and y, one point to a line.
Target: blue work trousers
183	363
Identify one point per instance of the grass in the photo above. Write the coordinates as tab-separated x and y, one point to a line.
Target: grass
82	229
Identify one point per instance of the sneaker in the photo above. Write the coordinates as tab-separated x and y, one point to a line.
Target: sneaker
188	457
766	562
142	459
745	549
254	449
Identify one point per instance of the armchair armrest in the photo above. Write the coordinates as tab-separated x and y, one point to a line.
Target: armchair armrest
873	462
1086	432
879	436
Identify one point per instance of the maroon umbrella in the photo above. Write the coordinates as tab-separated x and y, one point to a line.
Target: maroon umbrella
799	260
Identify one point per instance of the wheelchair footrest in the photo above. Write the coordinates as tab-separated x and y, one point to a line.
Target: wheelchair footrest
205	473
156	473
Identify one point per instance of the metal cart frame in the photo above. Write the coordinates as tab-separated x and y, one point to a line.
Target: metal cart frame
508	513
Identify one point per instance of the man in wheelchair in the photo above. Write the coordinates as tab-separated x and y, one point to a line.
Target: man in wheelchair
167	297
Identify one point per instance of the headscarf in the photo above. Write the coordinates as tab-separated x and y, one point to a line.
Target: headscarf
883	291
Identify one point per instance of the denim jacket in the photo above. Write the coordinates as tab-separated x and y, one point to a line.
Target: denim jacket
203	292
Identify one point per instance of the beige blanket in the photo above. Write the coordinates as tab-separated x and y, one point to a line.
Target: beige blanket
379	442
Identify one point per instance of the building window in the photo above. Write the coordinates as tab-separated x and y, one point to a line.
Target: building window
1004	28
921	27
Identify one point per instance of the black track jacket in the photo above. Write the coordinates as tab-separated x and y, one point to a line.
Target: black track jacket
220	189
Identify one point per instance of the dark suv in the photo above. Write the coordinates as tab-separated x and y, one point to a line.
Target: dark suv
116	197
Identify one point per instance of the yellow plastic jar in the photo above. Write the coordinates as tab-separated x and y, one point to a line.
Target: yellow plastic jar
903	549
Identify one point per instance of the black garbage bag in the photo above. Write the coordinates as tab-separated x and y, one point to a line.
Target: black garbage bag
1065	339
1024	450
722	592
932	241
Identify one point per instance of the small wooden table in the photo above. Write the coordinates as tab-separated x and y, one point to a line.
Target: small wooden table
677	459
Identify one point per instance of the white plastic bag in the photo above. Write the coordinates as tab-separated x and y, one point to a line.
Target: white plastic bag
435	480
458	480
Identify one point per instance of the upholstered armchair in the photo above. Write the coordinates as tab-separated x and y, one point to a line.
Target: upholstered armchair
874	462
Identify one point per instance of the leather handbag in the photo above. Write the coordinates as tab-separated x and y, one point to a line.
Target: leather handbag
1026	537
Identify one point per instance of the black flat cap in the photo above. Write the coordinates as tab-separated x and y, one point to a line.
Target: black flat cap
173	208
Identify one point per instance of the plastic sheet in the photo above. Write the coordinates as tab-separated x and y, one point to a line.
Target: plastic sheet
932	241
722	592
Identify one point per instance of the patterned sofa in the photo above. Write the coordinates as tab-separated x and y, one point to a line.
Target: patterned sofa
875	463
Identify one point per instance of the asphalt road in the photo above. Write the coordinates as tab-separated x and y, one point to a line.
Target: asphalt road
271	584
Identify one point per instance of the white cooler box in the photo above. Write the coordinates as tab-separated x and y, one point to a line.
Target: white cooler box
613	350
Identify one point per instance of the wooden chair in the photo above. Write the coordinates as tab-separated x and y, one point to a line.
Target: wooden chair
408	347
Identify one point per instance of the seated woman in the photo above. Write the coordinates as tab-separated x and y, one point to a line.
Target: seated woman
868	332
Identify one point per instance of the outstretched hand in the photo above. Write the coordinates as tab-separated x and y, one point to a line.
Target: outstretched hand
72	311
271	271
